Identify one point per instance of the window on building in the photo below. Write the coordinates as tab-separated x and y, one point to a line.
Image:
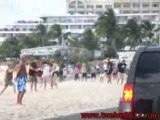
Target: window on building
126	5
137	11
145	5
80	2
126	11
5	29
155	11
99	12
155	5
147	11
80	6
75	26
72	6
17	29
87	26
71	12
81	12
117	5
90	6
64	26
73	3
108	6
99	6
24	29
136	5
31	29
90	12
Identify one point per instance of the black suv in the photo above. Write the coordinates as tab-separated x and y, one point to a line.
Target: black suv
141	93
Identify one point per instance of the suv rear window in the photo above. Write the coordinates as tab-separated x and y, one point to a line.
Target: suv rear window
148	68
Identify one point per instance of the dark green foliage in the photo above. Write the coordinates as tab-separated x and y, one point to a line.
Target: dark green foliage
110	53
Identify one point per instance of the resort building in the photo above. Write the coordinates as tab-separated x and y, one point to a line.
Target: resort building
124	6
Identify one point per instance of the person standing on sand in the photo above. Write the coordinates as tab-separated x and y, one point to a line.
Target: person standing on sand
21	79
32	75
8	78
84	72
102	72
39	72
76	73
93	72
109	71
46	73
115	71
122	71
53	77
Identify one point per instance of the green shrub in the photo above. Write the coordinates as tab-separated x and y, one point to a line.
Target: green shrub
110	53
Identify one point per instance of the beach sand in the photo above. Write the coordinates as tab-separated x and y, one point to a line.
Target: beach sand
70	97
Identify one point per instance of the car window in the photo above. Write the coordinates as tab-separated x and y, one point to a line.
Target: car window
148	67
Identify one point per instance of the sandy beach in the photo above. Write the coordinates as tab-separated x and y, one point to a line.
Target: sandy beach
70	97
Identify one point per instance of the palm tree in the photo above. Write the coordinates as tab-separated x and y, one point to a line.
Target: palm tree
106	26
55	32
28	41
133	32
148	30
41	34
120	36
89	40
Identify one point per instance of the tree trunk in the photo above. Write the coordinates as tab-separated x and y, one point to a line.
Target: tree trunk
113	43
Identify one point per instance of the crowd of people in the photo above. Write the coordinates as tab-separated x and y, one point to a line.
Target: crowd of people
49	72
105	70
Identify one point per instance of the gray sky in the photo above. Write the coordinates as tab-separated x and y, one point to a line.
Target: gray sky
12	10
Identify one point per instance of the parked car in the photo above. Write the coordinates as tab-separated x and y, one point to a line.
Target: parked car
141	93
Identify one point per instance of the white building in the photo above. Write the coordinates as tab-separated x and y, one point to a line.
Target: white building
88	6
76	23
137	6
84	14
18	28
124	6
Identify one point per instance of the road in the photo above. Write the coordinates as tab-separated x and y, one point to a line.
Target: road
78	117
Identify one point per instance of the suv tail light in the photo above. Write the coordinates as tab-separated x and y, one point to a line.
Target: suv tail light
128	93
127	98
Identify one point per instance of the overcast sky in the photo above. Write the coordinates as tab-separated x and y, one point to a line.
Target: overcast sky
12	10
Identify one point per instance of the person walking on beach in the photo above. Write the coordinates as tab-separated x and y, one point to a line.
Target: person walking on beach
84	72
76	73
46	73
97	69
109	71
39	72
32	75
102	72
61	73
21	79
122	70
115	71
53	77
93	72
8	78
